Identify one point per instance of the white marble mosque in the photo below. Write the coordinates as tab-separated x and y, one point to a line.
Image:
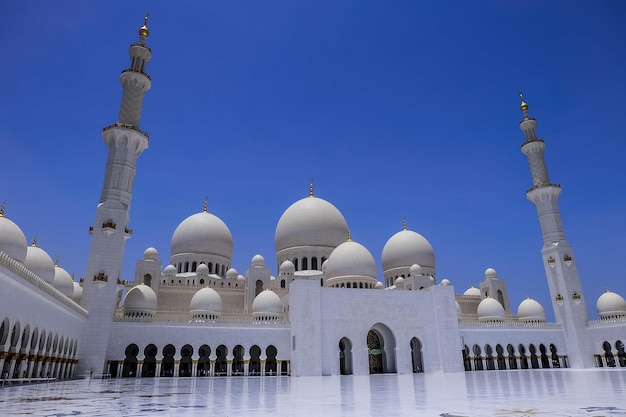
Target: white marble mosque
325	313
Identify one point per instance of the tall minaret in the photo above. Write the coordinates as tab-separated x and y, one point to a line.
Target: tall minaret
568	300
109	233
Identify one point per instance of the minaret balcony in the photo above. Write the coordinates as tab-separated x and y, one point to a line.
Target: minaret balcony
127	126
539	186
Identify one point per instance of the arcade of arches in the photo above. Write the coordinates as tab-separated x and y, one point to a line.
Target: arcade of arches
33	353
500	358
168	361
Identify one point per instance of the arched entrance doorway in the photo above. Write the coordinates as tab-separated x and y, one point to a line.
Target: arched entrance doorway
381	346
416	355
345	356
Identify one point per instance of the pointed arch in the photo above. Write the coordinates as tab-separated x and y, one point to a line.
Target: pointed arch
345	356
381	345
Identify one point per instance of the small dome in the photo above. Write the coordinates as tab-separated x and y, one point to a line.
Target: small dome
267	304
310	221
150	254
445	281
350	259
231	273
324	265
490	273
415	270
432	280
205	302
406	248
63	281
459	311
286	268
12	240
38	261
490	309
258	261
140	299
399	282
611	304
202	269
472	291
241	278
530	310
379	285
202	233
78	292
170	270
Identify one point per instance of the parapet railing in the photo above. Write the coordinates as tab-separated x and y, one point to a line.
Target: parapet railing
605	321
185	317
23	272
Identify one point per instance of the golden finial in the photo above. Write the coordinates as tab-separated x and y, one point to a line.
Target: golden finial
311	188
527	296
73	279
349	236
56	262
206	202
143	31
404	223
523	106
4	205
607	289
34	241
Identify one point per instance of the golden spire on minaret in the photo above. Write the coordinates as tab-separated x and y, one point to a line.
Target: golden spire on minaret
523	106
311	188
143	31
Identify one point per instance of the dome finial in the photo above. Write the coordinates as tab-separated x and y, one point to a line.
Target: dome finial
404	223
349	236
311	188
523	106
143	31
4	206
206	202
56	262
35	241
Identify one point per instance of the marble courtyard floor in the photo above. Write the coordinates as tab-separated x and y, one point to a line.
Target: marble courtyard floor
592	393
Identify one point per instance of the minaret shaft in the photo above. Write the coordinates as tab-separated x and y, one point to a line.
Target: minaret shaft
125	142
568	301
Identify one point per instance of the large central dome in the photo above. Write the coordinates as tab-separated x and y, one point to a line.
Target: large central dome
202	233
311	221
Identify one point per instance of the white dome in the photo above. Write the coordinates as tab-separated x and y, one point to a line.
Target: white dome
490	309
406	248
241	278
611	304
202	269
202	233
150	254
38	261
379	285
206	302
399	282
350	259
416	270
170	270
232	273
287	267
491	273
530	310
78	292
258	261
12	240
445	281
472	291
140	299
310	221
63	281
267	304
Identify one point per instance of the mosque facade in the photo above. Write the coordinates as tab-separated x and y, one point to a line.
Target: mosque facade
326	313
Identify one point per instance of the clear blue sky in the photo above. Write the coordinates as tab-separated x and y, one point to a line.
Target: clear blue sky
395	108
